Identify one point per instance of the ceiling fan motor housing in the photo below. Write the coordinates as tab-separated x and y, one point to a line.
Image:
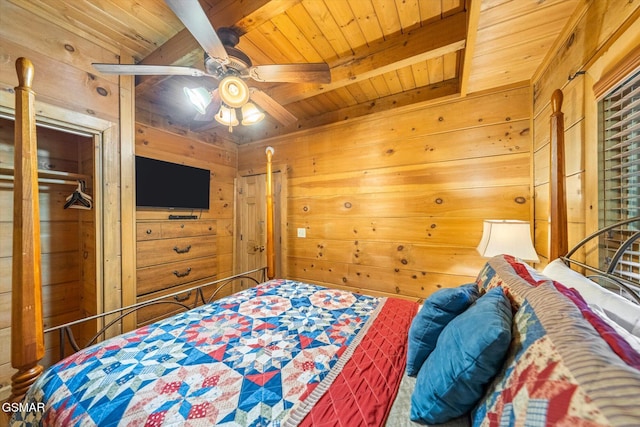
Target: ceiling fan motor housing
238	60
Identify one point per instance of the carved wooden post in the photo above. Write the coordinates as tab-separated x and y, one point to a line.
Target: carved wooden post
270	235
558	236
27	340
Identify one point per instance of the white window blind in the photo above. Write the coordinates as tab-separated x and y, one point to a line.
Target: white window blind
620	173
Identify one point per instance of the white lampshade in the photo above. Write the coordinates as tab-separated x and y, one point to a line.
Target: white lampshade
250	114
199	97
510	237
226	116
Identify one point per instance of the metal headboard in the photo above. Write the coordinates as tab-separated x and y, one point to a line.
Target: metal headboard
627	288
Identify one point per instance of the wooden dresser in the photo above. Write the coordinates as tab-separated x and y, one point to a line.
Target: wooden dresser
173	255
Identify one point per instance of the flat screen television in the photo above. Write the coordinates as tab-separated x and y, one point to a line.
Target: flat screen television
161	184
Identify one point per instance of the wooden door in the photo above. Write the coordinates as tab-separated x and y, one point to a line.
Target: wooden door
251	217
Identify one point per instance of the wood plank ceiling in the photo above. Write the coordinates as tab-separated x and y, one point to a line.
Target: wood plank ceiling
382	53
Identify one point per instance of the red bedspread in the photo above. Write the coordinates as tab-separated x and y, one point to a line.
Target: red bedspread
364	391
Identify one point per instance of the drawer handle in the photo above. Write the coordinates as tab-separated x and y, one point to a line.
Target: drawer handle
185	274
182	251
184	298
149	231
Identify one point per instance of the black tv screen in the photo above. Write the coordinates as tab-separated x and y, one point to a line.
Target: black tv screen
162	184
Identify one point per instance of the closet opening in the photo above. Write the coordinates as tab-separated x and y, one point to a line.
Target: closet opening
70	217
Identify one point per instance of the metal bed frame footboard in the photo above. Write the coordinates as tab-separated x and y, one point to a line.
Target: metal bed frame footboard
66	333
627	288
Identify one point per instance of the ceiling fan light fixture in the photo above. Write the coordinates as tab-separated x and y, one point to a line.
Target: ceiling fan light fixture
200	97
250	114
234	92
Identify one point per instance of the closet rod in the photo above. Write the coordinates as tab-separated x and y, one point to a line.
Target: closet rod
43	180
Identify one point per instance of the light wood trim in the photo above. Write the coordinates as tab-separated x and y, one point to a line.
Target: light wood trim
271	266
127	196
628	65
558	236
473	6
27	336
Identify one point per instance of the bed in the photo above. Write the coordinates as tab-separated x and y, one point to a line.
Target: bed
263	356
280	353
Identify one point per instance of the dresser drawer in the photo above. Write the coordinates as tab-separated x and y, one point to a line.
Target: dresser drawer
148	231
153	252
171	229
156	312
159	277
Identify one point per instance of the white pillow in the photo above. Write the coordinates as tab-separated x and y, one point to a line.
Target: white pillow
633	341
622	311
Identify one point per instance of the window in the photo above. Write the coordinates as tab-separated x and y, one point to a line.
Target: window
620	173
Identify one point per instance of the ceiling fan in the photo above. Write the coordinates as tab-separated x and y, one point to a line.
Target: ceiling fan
230	66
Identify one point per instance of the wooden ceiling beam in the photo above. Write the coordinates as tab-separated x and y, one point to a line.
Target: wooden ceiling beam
430	41
183	49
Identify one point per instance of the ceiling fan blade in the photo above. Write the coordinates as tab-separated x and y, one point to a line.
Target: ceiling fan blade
196	21
272	107
292	73
148	70
212	108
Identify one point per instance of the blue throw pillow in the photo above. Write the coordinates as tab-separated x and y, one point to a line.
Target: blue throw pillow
470	352
437	311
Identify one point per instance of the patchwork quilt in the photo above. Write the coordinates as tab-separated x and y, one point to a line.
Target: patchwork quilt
563	367
261	357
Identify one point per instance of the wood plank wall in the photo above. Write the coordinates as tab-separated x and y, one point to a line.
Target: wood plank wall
219	157
393	203
62	60
599	35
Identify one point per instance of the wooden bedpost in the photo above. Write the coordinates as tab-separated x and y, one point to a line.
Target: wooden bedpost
27	338
558	236
270	235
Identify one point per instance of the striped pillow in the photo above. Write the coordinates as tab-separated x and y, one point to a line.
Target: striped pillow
559	371
509	273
